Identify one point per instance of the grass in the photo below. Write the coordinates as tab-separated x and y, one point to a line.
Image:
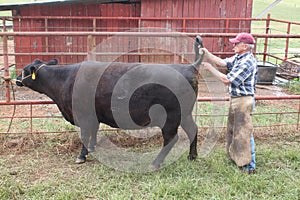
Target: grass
212	113
290	115
293	87
42	167
282	11
48	172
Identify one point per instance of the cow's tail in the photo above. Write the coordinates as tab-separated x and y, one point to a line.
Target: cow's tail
197	45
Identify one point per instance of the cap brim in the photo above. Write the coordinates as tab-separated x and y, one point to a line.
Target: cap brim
234	40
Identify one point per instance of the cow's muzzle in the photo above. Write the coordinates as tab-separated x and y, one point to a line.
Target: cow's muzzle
19	81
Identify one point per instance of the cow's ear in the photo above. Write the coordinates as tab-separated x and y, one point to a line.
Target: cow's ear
37	61
53	62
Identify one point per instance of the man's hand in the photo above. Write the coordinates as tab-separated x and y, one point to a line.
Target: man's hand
209	57
203	50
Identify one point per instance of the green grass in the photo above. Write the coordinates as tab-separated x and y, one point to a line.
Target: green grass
293	87
214	114
45	172
42	167
285	10
39	125
280	114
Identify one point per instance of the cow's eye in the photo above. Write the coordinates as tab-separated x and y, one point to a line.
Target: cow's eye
25	73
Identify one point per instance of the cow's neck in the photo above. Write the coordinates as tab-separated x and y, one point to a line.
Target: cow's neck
56	83
52	80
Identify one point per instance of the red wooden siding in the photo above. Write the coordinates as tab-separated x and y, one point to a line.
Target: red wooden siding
180	13
199	9
69	43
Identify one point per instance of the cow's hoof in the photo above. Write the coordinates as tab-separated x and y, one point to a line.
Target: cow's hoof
192	157
80	160
153	168
91	150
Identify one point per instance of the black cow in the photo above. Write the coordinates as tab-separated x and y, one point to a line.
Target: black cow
124	95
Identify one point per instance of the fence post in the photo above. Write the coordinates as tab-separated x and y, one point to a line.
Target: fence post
287	42
225	47
91	44
298	116
5	62
46	38
266	39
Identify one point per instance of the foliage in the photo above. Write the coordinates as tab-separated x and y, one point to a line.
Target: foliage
13	72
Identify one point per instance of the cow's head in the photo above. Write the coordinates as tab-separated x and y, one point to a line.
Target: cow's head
29	73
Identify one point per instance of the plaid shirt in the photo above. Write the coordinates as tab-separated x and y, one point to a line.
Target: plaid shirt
242	74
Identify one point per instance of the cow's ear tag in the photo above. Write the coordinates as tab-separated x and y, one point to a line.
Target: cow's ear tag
33	76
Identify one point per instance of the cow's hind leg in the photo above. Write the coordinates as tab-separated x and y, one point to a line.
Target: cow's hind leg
170	138
93	142
86	135
190	127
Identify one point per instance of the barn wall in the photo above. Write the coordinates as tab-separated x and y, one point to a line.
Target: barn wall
200	9
25	44
176	10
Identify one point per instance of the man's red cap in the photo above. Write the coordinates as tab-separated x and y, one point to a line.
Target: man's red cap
243	37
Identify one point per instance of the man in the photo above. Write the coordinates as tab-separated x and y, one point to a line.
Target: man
241	80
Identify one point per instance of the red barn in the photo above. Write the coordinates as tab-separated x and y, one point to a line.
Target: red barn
192	16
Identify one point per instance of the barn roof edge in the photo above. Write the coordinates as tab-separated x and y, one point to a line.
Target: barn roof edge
11	6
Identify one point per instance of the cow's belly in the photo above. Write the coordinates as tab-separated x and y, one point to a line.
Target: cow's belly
147	106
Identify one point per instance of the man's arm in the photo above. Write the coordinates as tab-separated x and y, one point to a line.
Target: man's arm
209	57
222	77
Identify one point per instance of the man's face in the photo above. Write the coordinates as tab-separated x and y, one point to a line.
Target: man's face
240	48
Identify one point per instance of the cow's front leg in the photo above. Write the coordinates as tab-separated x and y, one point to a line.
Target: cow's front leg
82	157
92	143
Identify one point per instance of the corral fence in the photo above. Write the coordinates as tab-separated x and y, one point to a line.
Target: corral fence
71	38
34	114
